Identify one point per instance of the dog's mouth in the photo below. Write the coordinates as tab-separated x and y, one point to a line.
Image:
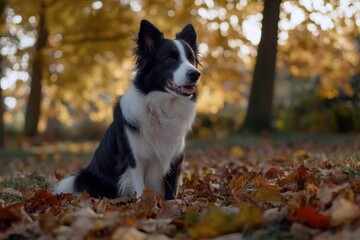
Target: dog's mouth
184	90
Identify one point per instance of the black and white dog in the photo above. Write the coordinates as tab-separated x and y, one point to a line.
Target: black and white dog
144	145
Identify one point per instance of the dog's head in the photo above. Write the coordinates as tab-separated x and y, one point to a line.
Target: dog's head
167	65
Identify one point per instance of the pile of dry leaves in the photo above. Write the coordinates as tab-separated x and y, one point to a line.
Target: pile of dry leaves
266	191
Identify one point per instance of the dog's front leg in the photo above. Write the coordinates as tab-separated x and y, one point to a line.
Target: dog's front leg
138	176
171	179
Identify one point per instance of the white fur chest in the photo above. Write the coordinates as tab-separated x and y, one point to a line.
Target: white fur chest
163	121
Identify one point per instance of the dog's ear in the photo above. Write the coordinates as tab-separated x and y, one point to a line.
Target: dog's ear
148	36
188	34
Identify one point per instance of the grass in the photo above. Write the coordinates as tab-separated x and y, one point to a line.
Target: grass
24	181
351	165
15	185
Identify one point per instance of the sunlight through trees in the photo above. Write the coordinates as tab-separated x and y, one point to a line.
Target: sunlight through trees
86	57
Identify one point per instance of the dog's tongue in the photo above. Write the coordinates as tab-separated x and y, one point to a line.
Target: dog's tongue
188	89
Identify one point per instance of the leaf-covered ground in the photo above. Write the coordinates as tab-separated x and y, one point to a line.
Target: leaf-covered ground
265	189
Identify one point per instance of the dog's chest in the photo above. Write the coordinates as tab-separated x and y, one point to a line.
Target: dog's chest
163	125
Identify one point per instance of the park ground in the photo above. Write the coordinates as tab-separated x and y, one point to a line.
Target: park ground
242	187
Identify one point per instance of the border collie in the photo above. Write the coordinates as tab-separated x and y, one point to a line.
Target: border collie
144	145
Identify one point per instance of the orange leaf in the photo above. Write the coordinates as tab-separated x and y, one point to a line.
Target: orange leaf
312	218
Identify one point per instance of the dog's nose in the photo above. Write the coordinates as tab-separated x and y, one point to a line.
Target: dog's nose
193	75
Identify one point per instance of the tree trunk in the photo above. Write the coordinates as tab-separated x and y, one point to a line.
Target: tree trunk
32	115
2	125
2	106
259	113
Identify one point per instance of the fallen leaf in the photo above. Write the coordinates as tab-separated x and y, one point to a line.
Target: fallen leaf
237	151
215	222
155	225
309	216
343	234
275	215
328	192
267	194
126	233
273	173
296	180
343	211
300	231
301	154
231	236
11	212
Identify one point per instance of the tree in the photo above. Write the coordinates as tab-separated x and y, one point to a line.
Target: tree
32	115
259	113
87	60
2	110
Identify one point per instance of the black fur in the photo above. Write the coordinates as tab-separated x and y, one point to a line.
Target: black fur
171	179
112	157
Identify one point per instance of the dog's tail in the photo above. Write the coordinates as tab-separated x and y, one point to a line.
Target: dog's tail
66	185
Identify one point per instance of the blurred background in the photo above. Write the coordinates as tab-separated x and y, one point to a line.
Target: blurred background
63	64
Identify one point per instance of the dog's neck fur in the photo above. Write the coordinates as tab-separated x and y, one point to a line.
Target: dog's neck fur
160	117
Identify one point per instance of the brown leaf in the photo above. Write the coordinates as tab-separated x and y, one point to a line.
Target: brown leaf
11	212
273	173
298	177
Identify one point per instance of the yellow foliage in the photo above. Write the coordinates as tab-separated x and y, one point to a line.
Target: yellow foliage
93	48
215	222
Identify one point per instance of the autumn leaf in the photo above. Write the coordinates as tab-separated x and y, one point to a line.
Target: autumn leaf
237	151
273	173
126	233
215	222
222	197
267	194
312	218
11	212
296	180
344	211
301	154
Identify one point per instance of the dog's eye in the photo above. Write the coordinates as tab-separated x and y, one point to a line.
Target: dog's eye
192	59
170	59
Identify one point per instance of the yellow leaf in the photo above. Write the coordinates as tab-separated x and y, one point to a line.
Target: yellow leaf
302	154
237	151
267	194
215	222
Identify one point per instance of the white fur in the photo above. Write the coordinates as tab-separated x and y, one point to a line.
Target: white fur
164	121
180	75
66	185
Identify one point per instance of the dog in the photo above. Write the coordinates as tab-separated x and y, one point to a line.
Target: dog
144	145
